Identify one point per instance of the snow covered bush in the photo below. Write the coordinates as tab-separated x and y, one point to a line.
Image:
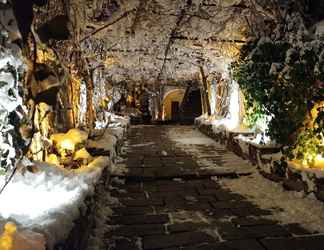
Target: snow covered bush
284	79
255	73
278	79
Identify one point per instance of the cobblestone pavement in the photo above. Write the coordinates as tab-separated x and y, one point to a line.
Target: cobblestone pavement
168	201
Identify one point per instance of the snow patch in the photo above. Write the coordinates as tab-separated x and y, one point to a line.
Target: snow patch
307	212
50	199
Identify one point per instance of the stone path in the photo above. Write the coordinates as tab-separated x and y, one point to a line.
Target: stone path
169	201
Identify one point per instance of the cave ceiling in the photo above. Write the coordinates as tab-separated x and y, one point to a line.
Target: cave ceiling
159	41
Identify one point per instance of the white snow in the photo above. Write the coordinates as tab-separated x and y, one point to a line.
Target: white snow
191	140
257	141
306	211
49	200
83	103
106	142
268	195
142	144
225	126
190	137
11	66
113	121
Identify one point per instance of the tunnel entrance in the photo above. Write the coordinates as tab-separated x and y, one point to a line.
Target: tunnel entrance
175	111
85	86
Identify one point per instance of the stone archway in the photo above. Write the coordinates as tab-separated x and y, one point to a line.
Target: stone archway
172	99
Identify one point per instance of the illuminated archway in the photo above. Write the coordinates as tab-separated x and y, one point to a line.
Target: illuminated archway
173	96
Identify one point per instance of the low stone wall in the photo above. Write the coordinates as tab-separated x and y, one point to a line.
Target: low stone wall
293	178
80	233
269	163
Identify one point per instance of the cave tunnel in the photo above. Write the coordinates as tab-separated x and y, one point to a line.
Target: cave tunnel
161	125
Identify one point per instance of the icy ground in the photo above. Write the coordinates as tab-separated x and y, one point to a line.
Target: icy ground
294	208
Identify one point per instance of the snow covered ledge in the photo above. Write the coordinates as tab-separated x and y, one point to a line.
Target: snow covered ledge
48	199
46	206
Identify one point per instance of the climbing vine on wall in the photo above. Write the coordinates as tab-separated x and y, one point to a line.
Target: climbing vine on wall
284	81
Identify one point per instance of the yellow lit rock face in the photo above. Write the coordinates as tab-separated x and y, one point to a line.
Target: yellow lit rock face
174	96
67	144
7	237
82	154
45	55
53	159
77	135
70	140
14	239
55	138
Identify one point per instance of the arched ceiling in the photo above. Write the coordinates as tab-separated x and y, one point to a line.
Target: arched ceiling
165	40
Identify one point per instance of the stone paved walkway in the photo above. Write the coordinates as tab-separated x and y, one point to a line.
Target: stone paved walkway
169	201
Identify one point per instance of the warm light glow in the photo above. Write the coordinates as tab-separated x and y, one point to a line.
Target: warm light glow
45	55
69	140
234	109
53	159
172	96
110	61
67	144
312	158
232	121
50	196
81	154
319	158
6	239
319	162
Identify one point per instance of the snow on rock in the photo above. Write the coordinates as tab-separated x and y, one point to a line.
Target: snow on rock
69	140
191	137
49	199
114	131
113	121
82	154
11	69
107	142
319	30
221	125
204	119
118	132
258	141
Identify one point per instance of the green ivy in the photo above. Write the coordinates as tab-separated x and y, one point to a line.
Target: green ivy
309	142
279	79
